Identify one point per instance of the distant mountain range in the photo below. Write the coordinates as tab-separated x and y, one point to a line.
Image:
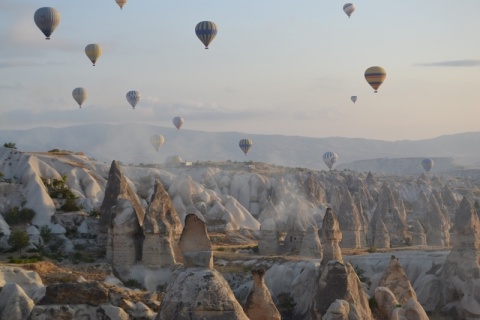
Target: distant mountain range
130	143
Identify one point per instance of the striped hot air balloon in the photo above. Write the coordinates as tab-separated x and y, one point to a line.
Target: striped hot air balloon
375	76
47	20
245	145
206	32
329	158
80	95
93	52
348	8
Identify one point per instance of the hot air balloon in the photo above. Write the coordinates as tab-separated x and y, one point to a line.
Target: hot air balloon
178	122
47	20
427	164
133	97
206	32
80	95
330	158
245	145
157	141
348	8
353	98
93	52
375	76
121	3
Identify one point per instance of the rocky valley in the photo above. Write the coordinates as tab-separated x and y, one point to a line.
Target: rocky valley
81	239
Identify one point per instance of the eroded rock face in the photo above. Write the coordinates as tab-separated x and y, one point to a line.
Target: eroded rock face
331	237
162	229
381	237
437	225
461	271
339	281
83	311
259	305
395	279
311	245
419	238
350	223
91	293
15	304
195	244
121	221
390	210
199	293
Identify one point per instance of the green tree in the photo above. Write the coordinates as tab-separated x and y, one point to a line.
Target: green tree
18	239
10	145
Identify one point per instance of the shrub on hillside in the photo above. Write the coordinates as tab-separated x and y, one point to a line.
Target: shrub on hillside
10	145
18	239
17	216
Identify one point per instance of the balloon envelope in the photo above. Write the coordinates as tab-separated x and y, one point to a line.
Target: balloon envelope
348	8
178	122
330	158
133	97
157	141
93	52
353	98
80	95
121	3
375	76
245	145
427	164
206	32
47	20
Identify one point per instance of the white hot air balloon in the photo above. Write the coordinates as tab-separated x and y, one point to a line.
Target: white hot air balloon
93	52
133	97
157	140
80	95
178	122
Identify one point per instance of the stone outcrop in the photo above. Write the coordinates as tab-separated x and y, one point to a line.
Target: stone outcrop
381	238
121	221
340	282
259	305
350	223
395	279
331	236
311	245
162	229
436	225
198	292
15	304
461	270
419	238
392	214
390	307
195	244
268	242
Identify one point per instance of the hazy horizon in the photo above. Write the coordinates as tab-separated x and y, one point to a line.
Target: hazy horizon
275	67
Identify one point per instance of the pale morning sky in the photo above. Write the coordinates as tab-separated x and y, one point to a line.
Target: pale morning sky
275	67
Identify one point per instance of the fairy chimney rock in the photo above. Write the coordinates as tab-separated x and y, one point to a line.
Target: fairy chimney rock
395	279
381	237
121	221
259	304
195	244
162	230
311	245
419	238
331	237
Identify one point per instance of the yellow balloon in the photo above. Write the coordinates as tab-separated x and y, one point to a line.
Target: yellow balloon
93	52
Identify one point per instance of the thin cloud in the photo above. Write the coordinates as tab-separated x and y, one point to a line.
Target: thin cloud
452	63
